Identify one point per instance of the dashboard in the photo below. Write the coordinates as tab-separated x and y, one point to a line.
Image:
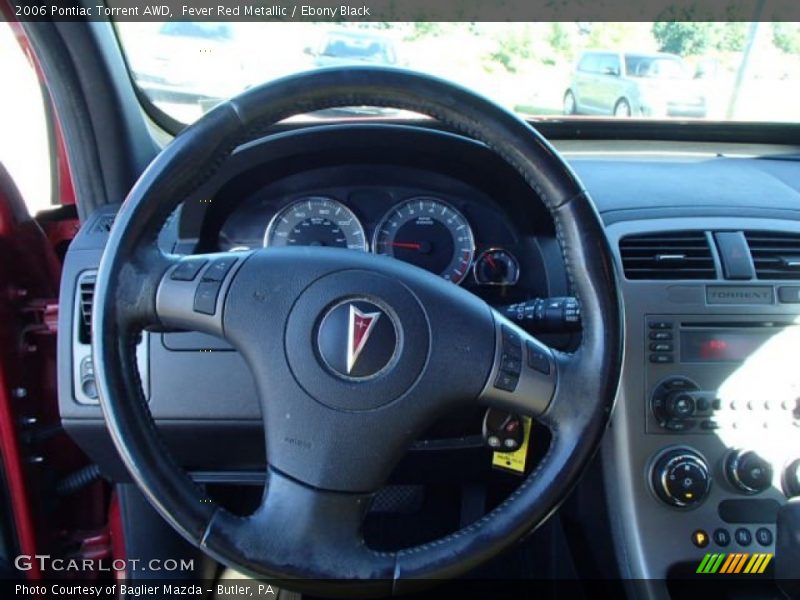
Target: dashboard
705	440
464	216
459	238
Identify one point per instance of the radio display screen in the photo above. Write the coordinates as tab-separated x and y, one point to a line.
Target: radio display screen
721	345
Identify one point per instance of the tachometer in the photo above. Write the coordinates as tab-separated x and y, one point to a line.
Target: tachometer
428	233
316	221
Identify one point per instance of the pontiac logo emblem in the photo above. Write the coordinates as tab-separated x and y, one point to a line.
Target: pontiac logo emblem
358	332
357	339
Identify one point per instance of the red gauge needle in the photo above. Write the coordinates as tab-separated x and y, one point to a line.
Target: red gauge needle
408	245
491	262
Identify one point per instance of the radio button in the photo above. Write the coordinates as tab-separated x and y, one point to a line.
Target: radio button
661	335
661	347
679	424
680	383
660	324
789	294
661	358
680	405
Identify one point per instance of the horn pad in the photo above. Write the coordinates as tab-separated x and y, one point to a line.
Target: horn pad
357	340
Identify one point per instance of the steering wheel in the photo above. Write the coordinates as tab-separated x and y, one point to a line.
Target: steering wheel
353	354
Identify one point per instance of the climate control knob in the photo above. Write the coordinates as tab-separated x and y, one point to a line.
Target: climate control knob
681	478
748	472
791	479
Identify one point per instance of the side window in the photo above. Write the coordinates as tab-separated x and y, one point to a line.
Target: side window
609	64
636	66
589	63
24	130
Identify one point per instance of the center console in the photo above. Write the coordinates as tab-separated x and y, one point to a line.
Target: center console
705	442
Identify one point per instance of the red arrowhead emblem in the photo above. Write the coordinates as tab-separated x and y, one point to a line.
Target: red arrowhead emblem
358	332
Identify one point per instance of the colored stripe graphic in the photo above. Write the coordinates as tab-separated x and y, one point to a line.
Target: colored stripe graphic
731	559
740	564
764	564
733	563
717	562
753	559
757	564
701	568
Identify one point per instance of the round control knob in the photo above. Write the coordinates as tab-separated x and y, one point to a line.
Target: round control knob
748	472
791	479
680	405
681	478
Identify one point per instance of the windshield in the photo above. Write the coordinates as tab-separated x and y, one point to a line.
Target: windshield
664	70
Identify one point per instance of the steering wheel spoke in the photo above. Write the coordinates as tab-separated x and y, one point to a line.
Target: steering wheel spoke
192	291
303	525
524	373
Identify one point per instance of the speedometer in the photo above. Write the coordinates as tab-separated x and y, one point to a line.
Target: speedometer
429	233
316	221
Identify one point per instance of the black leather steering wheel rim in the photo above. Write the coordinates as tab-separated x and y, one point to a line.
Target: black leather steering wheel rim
132	272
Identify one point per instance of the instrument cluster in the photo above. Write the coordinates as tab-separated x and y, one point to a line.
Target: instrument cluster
425	230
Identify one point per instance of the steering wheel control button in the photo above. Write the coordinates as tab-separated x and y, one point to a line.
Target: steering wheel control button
764	536
510	367
219	269
512	344
506	381
205	297
748	472
510	364
700	538
743	537
357	340
538	360
681	478
722	537
187	269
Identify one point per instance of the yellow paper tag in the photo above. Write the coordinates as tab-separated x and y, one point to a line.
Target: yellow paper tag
515	461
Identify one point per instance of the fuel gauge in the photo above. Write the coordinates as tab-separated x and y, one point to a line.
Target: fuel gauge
496	266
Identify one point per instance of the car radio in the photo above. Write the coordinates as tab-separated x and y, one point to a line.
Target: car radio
732	372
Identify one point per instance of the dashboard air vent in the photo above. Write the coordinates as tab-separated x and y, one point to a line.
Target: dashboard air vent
667	255
85	299
776	255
